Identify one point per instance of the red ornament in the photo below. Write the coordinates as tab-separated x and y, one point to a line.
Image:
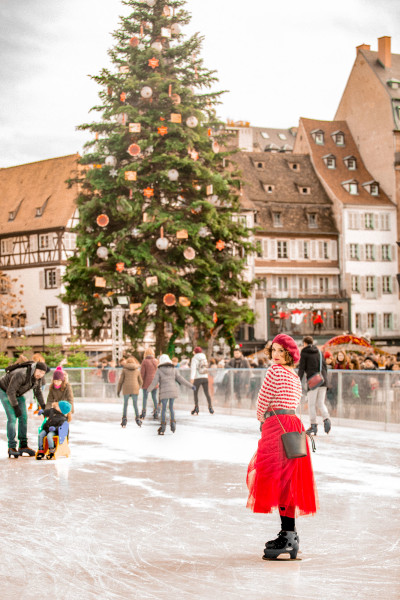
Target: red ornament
154	63
162	130
102	220
169	300
220	245
122	96
120	266
148	192
134	42
215	317
134	150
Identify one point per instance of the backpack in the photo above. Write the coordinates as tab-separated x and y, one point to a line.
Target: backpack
203	367
27	365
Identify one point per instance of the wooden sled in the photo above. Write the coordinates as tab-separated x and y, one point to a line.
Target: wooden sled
60	443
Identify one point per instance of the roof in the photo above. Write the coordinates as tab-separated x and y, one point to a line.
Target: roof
334	178
386	74
285	197
34	185
266	138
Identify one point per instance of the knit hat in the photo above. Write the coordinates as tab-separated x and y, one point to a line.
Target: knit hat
42	366
289	344
328	354
65	407
59	374
197	350
164	358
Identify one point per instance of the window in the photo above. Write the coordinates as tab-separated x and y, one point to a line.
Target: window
52	319
260	165
371	319
325	250
374	189
282	249
4	285
338	138
268	188
69	240
351	163
304	190
323	285
354	252
386	284
294	166
394	84
353	189
7	246
387	320
370	283
385	252
44	241
312	220
354	221
18	320
306	250
369	221
50	278
358	320
277	218
265	135
355	284
330	161
282	136
303	285
385	222
282	284
369	252
318	136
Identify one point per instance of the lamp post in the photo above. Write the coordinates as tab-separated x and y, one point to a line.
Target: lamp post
43	322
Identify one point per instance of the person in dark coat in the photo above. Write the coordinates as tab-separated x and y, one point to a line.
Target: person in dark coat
13	386
55	416
310	361
148	370
241	379
167	376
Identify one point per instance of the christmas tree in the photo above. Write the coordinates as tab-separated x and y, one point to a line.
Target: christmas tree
158	194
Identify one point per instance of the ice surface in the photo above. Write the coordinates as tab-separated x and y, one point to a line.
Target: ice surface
135	515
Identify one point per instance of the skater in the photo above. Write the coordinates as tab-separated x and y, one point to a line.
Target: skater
55	417
275	481
148	370
199	378
241	379
312	362
18	380
60	390
167	376
130	382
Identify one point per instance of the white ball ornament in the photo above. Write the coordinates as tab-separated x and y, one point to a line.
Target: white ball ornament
146	92
192	122
151	3
173	175
204	232
102	252
157	46
135	232
175	29
162	243
111	161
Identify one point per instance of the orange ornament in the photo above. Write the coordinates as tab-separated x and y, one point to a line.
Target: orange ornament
169	300
162	130
215	317
134	150
220	245
102	220
148	192
154	62
133	42
120	266
122	97
184	301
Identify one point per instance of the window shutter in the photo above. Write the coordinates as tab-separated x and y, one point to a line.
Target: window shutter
391	253
313	250
378	286
273	249
41	280
362	286
395	320
348	251
60	316
33	243
300	253
361	251
292	249
58	278
320	249
333	250
393	287
357	221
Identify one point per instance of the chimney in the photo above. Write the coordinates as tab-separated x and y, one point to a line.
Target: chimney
384	52
363	47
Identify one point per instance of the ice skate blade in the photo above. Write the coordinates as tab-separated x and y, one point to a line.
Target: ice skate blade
278	559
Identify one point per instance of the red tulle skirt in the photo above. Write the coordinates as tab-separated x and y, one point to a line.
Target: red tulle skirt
275	481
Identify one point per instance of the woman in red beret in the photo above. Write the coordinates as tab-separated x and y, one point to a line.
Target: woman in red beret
275	481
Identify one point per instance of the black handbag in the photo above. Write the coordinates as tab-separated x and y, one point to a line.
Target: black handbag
294	442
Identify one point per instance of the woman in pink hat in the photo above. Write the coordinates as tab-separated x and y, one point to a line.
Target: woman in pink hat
273	480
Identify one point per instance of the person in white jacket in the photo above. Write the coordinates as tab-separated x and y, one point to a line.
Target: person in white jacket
199	378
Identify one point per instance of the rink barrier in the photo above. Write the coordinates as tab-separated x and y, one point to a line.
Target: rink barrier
356	398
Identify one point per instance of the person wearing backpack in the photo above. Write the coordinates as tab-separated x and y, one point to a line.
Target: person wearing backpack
18	379
199	378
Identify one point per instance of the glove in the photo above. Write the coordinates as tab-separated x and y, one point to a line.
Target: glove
52	428
40	412
193	387
17	410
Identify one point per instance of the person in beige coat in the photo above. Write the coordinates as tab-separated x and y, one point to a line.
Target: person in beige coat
60	390
130	383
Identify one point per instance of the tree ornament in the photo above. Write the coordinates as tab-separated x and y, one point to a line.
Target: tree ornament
176	118
113	172
157	46
162	130
204	232
148	192
122	118
182	234
162	243
220	245
152	308
102	252
189	253
169	300
122	96
192	122
135	308
175	29
184	301
146	92
166	11
165	32
135	127
111	161
102	220
151	3
134	150
124	69
215	317
154	63
173	175
135	232
176	99
152	280
134	42
215	147
209	189
120	266
100	282
193	154
109	90
197	210
130	175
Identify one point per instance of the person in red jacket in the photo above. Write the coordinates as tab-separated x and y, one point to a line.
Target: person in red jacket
148	370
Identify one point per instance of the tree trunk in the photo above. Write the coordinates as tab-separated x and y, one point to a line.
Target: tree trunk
161	339
211	340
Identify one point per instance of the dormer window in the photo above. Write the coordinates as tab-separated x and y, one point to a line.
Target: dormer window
13	213
282	136
338	138
271	148
40	209
268	188
294	166
286	148
265	135
312	220
372	187
350	162
351	187
259	165
277	219
394	84
330	161
305	191
318	136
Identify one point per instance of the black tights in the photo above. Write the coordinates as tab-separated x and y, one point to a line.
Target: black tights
288	523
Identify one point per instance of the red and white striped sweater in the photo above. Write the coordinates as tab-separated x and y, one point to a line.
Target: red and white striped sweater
281	388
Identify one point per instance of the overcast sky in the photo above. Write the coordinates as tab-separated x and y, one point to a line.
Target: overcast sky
279	61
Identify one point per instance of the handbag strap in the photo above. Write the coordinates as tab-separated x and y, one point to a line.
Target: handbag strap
320	360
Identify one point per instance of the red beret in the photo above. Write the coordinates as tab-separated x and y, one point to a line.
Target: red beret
328	354
289	344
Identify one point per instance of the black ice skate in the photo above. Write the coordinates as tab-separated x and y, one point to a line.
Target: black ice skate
143	415
50	455
155	414
287	542
271	543
138	422
312	430
210	408
13	452
27	451
161	430
173	426
195	411
39	454
327	425
124	422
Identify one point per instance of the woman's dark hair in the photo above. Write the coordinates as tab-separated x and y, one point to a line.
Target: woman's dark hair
288	357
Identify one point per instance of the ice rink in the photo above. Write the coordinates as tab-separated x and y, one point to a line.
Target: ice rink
135	515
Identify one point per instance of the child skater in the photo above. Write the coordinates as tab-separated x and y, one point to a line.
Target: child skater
55	417
167	376
275	481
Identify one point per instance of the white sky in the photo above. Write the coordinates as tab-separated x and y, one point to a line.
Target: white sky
279	61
